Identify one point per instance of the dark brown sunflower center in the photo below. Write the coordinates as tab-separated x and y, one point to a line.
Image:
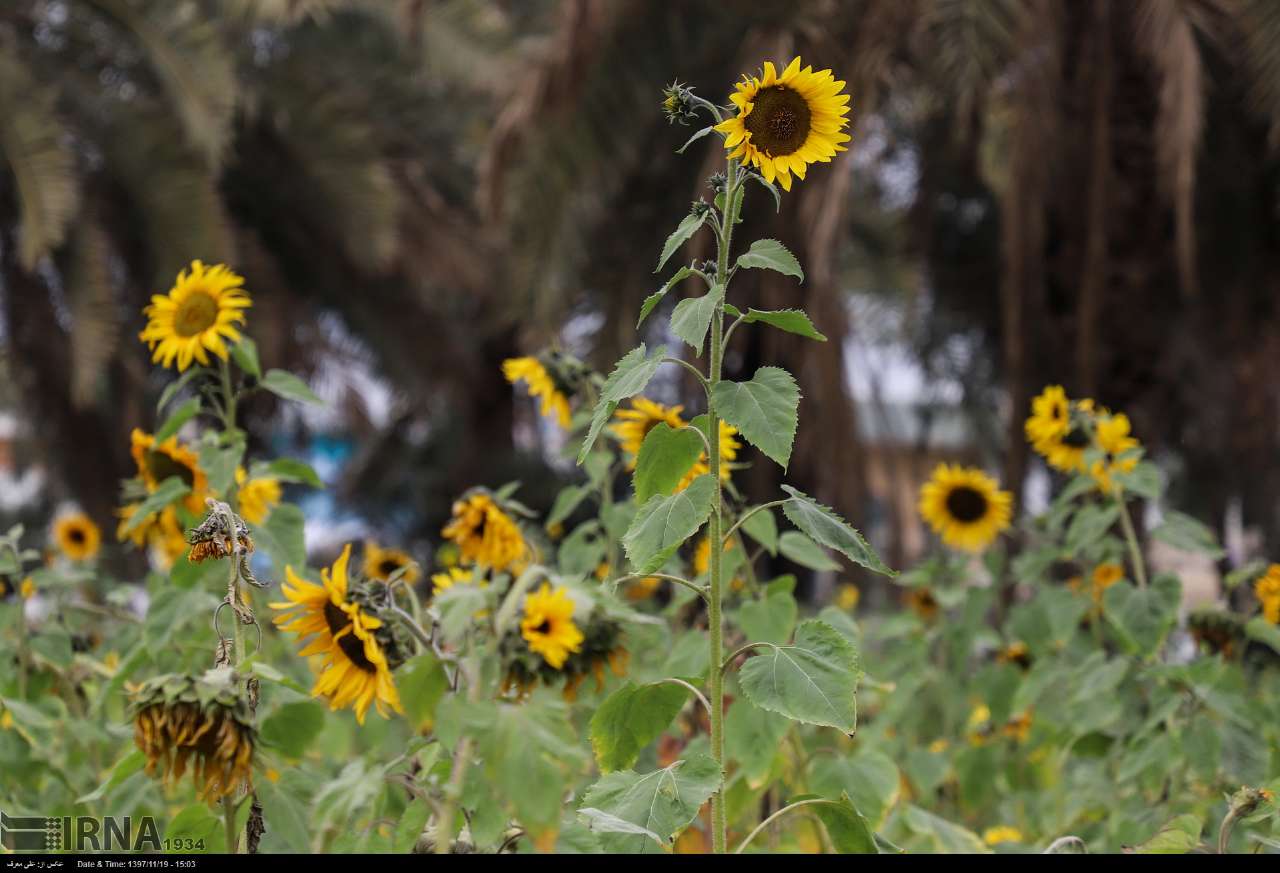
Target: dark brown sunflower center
1076	438
966	504
196	313
544	628
162	467
76	535
779	121
388	566
351	645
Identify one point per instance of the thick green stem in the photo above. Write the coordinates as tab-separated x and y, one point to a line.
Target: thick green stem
719	841
228	397
1131	537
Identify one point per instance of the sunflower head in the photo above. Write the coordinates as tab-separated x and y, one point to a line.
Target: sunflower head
548	627
786	122
921	601
485	533
197	721
678	105
77	537
1267	590
551	646
358	650
381	564
256	496
1118	449
1219	631
158	461
198	316
632	425
965	507
216	537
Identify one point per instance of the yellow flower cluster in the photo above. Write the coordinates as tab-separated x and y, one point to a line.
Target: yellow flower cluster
256	497
1062	431
541	384
485	534
1267	590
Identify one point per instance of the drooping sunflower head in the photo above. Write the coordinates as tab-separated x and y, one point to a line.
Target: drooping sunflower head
358	650
632	425
217	537
965	507
485	533
77	537
1112	434
786	122
548	627
552	377
199	315
256	496
381	564
201	721
158	461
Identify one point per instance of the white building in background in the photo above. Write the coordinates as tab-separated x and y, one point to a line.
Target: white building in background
17	489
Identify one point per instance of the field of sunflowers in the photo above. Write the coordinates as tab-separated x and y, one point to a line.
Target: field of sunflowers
615	675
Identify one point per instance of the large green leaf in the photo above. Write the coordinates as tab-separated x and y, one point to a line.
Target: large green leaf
849	831
944	837
797	547
1142	618
293	726
665	457
1089	525
692	317
1184	532
751	737
1177	837
284	384
283	537
762	527
631	718
791	320
680	236
660	803
769	254
666	521
655	298
166	492
826	527
764	410
629	377
769	619
813	680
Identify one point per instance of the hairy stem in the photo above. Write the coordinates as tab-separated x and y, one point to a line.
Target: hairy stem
1131	537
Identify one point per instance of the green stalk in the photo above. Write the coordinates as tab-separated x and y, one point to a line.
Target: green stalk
1131	537
229	397
719	842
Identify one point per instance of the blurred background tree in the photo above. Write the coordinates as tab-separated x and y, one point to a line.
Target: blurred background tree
1044	191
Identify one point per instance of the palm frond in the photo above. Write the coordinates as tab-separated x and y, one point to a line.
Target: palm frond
34	144
1260	23
971	42
190	55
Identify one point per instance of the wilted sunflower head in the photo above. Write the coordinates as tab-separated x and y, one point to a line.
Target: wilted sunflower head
217	535
786	122
199	315
342	620
381	564
199	720
1221	632
158	461
965	507
485	533
77	537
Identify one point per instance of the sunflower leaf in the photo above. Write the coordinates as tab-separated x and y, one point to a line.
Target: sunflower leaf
630	376
293	470
773	189
177	419
769	254
764	410
680	236
691	318
828	528
631	718
665	457
659	804
245	354
802	550
290	387
813	680
1142	618
651	302
697	136
790	320
166	492
663	523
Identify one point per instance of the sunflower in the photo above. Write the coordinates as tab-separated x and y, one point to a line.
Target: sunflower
179	718
1001	834
158	461
633	425
453	576
1103	577
27	589
922	602
357	648
1058	429
541	384
548	625
256	497
77	536
786	122
1267	590
965	507
1113	438
381	564
1050	416
1015	653
197	316
485	534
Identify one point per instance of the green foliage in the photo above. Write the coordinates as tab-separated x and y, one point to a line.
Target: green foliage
813	680
629	378
769	254
664	522
824	526
665	457
631	718
764	410
661	803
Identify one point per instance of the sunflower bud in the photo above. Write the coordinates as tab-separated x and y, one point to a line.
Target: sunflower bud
718	182
677	103
700	208
198	720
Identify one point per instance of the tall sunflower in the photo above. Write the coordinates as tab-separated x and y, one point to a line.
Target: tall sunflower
485	534
548	625
158	461
257	496
541	383
965	507
381	563
77	536
196	317
356	648
786	122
